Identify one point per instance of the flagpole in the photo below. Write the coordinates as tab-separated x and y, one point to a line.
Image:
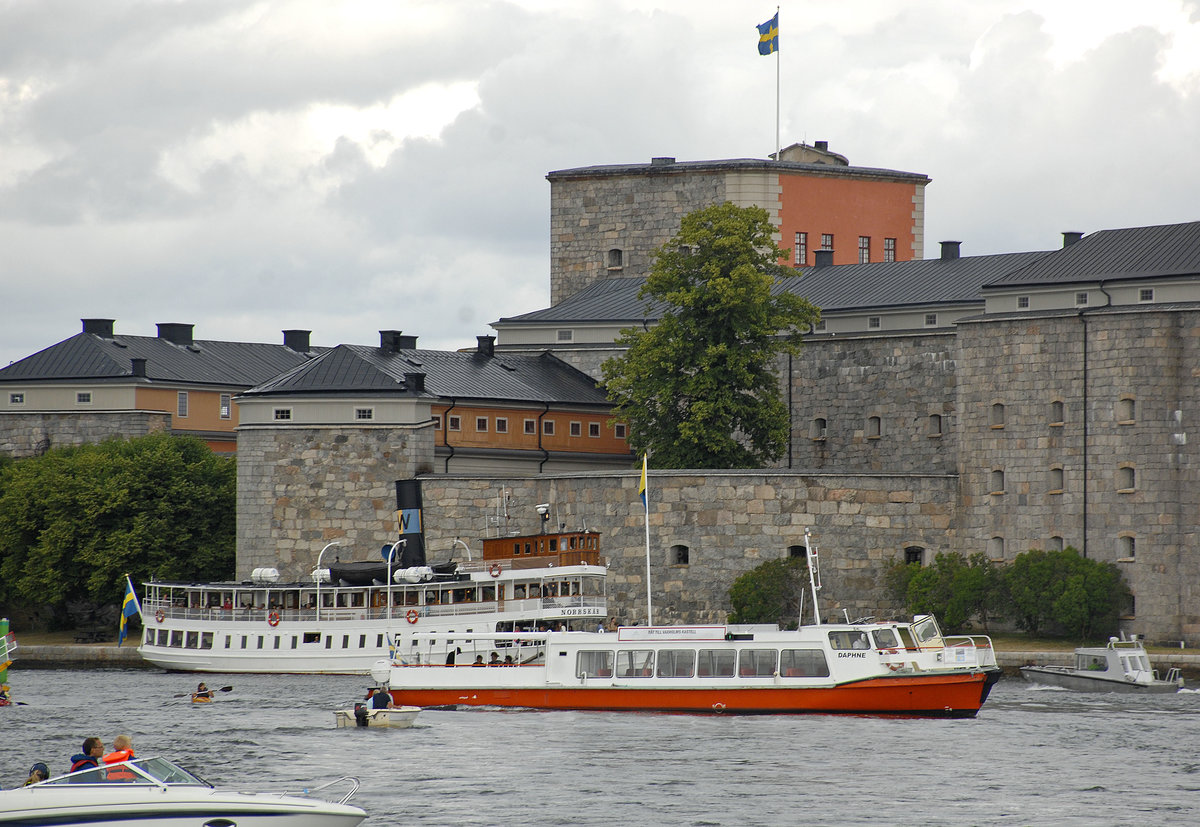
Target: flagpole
646	484
777	147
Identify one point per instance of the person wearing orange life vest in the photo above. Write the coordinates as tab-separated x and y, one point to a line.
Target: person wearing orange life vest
122	751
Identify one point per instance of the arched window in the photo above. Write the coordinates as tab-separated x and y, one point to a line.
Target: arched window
935	425
1126	410
997	481
818	428
616	259
1056	480
1126	546
996	415
874	427
1057	412
798	551
679	555
1056	543
995	548
914	554
1126	479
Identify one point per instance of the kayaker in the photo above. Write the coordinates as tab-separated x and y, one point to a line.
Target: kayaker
202	693
89	758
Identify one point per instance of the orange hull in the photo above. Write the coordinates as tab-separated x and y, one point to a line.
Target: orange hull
958	695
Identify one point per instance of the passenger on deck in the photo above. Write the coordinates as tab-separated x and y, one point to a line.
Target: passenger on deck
508	661
450	657
479	661
495	660
93	749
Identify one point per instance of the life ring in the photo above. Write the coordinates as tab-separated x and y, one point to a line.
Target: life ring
273	618
412	615
495	570
160	615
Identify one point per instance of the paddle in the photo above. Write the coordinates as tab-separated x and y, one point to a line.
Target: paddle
189	694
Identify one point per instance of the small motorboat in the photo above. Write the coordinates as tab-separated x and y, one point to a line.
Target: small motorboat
1121	666
163	794
399	717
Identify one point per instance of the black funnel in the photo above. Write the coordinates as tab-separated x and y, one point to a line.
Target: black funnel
408	516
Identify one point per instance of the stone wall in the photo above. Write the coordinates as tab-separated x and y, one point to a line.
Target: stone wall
34	433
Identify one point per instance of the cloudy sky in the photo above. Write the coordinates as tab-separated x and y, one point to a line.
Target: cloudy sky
347	167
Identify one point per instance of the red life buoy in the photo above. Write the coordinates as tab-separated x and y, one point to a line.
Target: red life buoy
412	615
495	570
273	618
160	615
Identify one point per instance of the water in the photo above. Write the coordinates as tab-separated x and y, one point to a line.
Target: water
1033	756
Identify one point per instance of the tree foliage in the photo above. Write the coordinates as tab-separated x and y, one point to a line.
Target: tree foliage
772	592
699	389
76	520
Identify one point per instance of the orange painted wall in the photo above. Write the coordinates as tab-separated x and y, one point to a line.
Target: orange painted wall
204	409
561	440
848	209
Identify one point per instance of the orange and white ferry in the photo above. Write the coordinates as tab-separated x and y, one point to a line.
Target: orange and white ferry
866	668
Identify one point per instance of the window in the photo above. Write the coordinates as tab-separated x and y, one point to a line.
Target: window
531	426
548	427
635	663
1146	294
874	322
800	250
715	663
619	430
819	327
1022	302
594	664
1057	413
818	429
1056	480
996	548
679	555
181	404
676	663
437	422
1126	478
1126	547
594	429
914	554
481	424
864	249
803	663
996	415
826	241
282	414
798	551
1126	410
935	425
226	406
16	399
997	481
889	249
576	428
1055	544
455	423
1080	299
566	335
83	397
931	320
615	259
874	427
756	663
363	414
501	425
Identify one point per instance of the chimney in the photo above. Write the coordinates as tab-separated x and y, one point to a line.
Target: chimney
176	333
661	162
389	341
406	342
485	346
296	340
823	258
950	250
823	146
98	327
415	382
137	367
1070	237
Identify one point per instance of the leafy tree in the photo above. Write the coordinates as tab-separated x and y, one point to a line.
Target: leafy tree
772	592
955	588
699	389
1080	596
76	520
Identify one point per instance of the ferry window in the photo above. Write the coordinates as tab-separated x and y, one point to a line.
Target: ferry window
519	591
293	641
260	642
345	641
594	665
756	663
164	638
715	663
177	640
885	639
635	663
276	641
328	641
554	544
228	642
362	641
243	641
312	637
676	663
803	663
193	640
927	631
379	641
848	640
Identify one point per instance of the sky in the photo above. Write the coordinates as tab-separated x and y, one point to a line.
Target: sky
351	167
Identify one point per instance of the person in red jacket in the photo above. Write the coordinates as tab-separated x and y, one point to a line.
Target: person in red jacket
122	751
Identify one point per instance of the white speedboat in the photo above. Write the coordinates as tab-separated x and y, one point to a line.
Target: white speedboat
351	614
163	794
1121	666
400	717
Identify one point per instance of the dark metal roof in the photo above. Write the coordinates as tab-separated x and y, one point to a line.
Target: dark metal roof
86	356
607	300
1163	251
462	374
731	164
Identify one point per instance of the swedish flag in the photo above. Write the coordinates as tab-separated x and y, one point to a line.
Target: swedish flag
768	36
129	608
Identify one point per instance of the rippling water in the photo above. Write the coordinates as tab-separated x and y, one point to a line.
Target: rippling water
1033	756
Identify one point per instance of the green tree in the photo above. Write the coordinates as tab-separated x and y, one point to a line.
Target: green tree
1062	590
772	592
76	520
957	589
699	389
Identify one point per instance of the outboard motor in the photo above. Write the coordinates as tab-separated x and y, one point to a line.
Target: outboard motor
361	714
408	516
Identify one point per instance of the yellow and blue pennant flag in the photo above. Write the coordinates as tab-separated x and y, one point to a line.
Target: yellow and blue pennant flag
768	36
642	483
129	608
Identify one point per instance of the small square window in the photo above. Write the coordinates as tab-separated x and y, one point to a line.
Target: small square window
1022	302
530	426
931	320
576	429
593	429
501	425
282	414
83	397
1080	299
361	414
16	399
226	406
566	335
481	424
455	423
874	322
1146	294
619	430
548	427
819	327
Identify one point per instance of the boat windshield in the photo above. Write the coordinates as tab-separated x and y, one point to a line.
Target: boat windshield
140	771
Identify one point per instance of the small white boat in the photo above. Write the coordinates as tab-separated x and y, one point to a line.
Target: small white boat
1121	666
399	717
163	794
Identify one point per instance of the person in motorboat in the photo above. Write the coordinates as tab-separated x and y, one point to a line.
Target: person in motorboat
202	693
122	751
38	773
382	699
89	758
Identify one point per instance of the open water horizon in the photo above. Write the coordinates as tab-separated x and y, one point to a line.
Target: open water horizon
1033	756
